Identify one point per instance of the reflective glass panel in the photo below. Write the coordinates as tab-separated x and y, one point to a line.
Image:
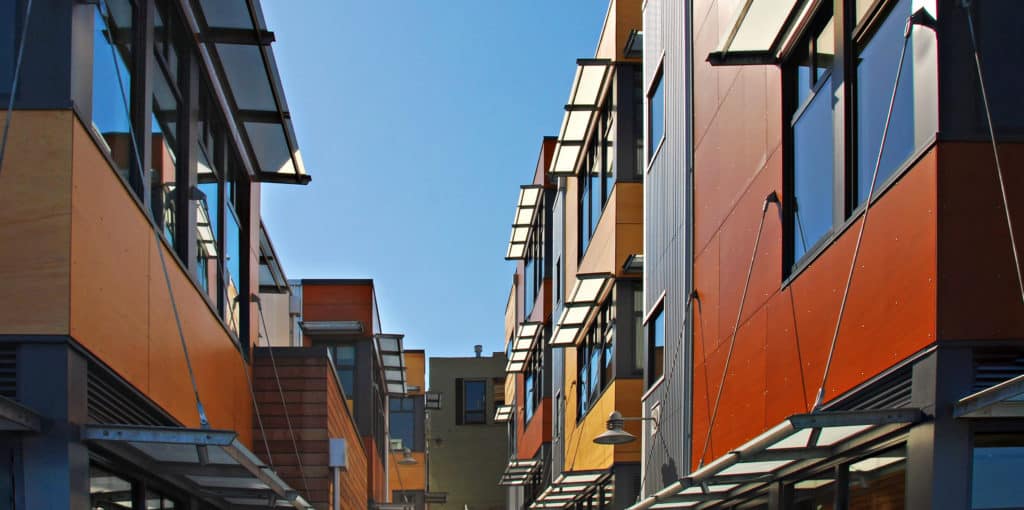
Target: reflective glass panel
876	76
108	491
656	346
165	132
233	261
813	164
475	407
656	114
112	80
998	463
402	421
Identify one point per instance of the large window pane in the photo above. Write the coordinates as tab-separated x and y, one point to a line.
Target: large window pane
108	491
876	75
656	116
111	79
879	482
233	260
402	421
656	346
996	475
812	172
165	149
475	407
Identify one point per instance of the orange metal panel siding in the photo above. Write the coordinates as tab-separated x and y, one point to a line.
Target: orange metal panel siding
978	293
121	310
536	432
407	477
416	371
326	302
376	479
35	224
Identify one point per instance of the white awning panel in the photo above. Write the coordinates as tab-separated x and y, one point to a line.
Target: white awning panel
522	220
584	97
1004	400
583	301
760	31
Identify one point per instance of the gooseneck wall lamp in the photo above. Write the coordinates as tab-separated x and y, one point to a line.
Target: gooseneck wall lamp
616	434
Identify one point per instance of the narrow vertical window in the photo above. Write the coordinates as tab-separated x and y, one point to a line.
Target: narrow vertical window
112	80
655	346
474	406
655	116
813	163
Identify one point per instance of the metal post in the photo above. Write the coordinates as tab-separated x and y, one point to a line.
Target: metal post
337	488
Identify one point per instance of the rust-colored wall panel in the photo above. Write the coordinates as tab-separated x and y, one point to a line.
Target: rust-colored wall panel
121	309
35	224
407	477
979	296
324	302
536	432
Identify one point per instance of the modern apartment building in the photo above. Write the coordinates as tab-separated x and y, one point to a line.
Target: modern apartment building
831	271
466	445
573	323
407	430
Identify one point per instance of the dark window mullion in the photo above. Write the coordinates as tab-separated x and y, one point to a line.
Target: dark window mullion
842	68
141	104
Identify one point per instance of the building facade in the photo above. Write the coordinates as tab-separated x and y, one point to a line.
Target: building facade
466	446
829	264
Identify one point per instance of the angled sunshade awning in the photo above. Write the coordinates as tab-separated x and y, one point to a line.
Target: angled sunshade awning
503	414
568	487
520	472
795	445
580	305
760	32
1004	400
591	76
393	360
526	210
236	38
522	344
211	464
272	278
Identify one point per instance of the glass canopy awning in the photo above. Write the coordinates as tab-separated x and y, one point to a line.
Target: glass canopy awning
588	292
590	79
522	344
568	487
236	47
210	464
526	210
393	361
520	472
502	414
760	32
1004	400
799	442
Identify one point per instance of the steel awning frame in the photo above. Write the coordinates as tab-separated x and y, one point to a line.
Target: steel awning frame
584	101
392	359
589	291
503	414
15	417
519	472
268	259
784	33
530	198
796	444
224	470
522	345
1004	400
568	487
256	35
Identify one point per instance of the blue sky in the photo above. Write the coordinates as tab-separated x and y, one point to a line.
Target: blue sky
418	121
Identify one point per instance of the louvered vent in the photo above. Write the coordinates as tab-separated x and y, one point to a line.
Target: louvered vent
992	367
9	371
113	402
889	392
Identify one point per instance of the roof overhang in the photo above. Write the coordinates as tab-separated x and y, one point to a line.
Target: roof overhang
15	417
520	472
1004	400
798	443
235	44
522	344
584	96
587	294
393	363
211	464
762	32
318	328
568	487
526	210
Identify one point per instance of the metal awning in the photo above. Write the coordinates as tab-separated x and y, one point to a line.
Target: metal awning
522	344
210	464
503	414
236	43
15	417
393	360
526	211
584	96
315	328
796	444
589	291
568	487
272	278
520	472
761	32
1004	400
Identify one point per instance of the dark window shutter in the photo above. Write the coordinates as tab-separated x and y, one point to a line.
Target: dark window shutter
458	402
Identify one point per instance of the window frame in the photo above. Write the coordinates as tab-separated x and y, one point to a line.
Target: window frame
595	154
656	312
464	409
655	86
594	343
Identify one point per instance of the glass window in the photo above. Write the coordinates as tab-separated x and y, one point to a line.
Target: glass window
111	80
876	74
166	117
596	178
209	181
656	115
655	346
815	493
108	491
403	421
998	463
474	408
595	357
534	270
879	482
813	151
638	330
157	501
